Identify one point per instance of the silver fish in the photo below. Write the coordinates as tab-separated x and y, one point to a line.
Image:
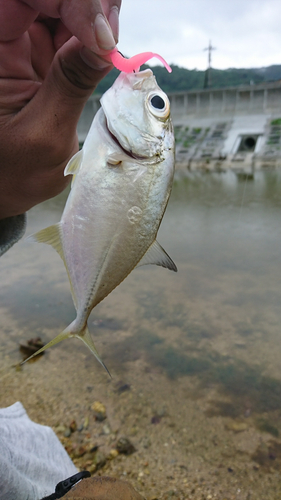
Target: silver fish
122	180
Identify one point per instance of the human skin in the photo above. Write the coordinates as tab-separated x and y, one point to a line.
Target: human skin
51	60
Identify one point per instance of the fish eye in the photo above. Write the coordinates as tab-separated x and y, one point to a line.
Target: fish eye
158	104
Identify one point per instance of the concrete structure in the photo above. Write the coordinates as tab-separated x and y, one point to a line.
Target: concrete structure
236	127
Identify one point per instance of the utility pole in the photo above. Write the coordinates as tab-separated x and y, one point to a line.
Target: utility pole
207	80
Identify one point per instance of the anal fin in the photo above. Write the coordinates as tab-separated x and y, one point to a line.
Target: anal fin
52	236
157	255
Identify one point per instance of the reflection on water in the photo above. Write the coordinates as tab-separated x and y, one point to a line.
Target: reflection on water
215	323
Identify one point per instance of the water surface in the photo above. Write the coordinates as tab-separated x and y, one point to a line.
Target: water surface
204	343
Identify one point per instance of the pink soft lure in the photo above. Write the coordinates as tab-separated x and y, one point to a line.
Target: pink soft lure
134	63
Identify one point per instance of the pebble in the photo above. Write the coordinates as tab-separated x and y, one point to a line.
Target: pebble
134	430
237	426
125	446
161	412
156	419
106	429
31	346
122	387
99	460
146	442
67	432
170	493
73	426
99	411
113	454
59	428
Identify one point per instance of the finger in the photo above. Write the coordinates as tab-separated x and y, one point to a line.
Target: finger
85	19
45	129
61	36
111	9
66	88
15	18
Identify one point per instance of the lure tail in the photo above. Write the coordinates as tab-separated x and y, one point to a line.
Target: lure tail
68	333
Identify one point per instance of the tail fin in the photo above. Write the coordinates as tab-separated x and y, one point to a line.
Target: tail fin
67	333
87	339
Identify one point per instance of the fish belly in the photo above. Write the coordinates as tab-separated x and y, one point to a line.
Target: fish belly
106	229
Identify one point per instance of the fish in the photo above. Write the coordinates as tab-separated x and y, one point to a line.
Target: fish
121	184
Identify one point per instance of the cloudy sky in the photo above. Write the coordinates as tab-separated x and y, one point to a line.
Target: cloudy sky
246	33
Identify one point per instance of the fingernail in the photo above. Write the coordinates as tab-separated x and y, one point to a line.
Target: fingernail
103	33
113	20
93	60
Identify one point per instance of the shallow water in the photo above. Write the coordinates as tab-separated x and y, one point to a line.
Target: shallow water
204	344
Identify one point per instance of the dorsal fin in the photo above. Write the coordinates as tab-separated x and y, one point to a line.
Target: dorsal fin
157	255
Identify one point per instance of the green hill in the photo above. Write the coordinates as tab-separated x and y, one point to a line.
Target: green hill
185	79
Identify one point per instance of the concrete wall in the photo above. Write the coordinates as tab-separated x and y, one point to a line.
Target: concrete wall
211	125
243	100
250	99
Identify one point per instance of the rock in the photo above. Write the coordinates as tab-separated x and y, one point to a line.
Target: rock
73	426
99	411
170	493
59	429
113	454
106	429
125	446
99	460
103	488
237	426
146	442
156	419
121	387
161	412
31	346
134	430
67	432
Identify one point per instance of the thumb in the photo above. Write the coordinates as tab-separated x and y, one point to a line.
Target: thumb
58	104
45	128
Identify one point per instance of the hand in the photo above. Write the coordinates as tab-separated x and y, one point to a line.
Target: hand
50	63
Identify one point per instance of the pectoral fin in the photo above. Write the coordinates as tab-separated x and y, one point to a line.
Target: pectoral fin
115	158
157	255
51	236
74	163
